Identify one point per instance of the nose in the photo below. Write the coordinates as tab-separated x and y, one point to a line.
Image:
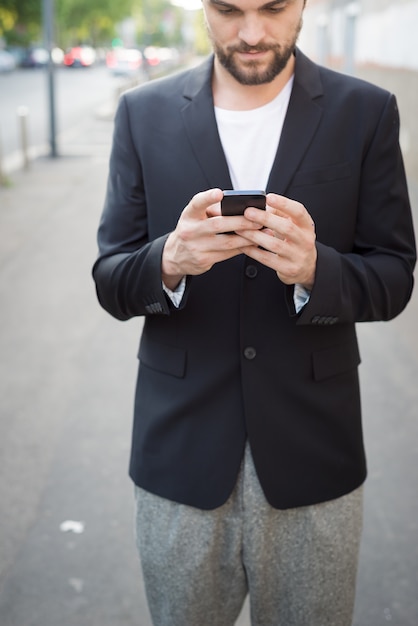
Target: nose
251	30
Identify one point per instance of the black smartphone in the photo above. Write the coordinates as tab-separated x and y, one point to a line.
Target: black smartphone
236	201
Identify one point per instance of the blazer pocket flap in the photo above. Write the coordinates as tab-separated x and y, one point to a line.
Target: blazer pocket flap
336	360
321	175
163	358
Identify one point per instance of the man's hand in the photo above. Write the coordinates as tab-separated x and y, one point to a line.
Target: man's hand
199	240
287	241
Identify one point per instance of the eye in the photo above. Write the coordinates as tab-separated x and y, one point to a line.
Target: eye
273	10
226	10
223	8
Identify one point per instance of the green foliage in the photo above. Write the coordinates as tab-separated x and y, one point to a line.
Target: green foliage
20	21
202	43
96	22
158	23
92	21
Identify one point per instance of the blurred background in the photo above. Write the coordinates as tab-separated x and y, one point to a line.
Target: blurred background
67	370
89	51
375	40
139	39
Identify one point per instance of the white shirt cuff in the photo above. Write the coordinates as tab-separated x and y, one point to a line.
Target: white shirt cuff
301	297
176	295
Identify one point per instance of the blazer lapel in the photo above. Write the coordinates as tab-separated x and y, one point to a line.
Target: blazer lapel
302	120
200	124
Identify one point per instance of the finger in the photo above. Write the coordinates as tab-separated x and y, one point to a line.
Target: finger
200	203
256	216
213	210
285	207
229	224
265	239
271	223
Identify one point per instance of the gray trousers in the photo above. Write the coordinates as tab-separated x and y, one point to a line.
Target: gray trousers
299	565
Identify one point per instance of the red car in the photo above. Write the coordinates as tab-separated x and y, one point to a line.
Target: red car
80	56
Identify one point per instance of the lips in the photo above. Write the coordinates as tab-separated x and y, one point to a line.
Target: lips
252	55
251	50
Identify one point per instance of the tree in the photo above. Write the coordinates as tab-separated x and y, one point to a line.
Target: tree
90	22
94	22
20	21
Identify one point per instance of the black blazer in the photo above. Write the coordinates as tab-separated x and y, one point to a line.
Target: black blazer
235	361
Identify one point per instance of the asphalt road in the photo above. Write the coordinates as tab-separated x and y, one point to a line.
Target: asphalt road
76	92
67	370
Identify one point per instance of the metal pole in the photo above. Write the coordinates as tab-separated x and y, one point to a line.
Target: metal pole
48	23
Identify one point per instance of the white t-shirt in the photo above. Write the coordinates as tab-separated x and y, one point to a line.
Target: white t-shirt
250	139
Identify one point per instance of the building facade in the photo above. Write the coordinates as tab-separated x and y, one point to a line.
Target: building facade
375	40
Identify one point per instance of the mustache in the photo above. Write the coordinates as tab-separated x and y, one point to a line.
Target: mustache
243	47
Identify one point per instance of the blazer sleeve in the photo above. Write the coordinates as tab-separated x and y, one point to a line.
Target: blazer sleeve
127	271
374	280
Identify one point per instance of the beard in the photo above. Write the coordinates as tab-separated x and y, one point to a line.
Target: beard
250	73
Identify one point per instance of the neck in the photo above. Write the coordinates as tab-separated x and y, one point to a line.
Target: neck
228	93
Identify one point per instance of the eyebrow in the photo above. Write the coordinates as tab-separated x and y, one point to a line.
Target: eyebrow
267	5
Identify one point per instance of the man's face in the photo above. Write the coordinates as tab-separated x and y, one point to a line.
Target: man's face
253	39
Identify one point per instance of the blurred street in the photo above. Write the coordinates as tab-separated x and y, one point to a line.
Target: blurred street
67	372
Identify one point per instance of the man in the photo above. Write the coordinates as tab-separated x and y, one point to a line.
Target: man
247	451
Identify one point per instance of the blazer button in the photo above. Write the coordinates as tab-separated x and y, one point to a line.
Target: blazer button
251	271
330	320
250	353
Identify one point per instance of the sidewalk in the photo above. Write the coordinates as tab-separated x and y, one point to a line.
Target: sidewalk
66	382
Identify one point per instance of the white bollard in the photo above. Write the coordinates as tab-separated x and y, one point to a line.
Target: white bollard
22	114
2	174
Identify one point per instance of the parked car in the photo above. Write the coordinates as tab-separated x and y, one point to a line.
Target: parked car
37	56
156	56
124	61
7	61
80	56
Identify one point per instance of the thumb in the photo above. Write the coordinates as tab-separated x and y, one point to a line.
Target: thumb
199	204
